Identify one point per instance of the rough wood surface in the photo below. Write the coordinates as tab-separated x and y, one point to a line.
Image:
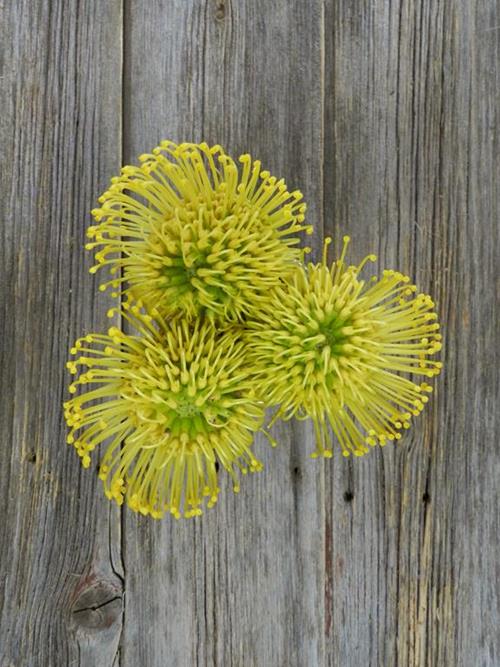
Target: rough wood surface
386	115
61	580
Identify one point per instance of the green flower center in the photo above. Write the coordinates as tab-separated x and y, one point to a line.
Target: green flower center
331	328
187	409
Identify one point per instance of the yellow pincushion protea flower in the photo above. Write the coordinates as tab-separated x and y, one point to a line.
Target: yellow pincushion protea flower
194	235
338	350
175	401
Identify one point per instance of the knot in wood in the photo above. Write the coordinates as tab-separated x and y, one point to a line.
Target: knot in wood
220	10
98	605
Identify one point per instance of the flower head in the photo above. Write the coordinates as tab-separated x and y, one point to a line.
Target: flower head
174	402
340	350
194	234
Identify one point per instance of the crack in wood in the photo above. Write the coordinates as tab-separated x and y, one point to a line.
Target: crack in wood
97	606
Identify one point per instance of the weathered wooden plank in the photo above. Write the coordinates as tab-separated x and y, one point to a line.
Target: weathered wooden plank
411	170
243	586
60	136
392	561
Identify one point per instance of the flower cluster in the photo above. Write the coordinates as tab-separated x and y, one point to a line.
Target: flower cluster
222	318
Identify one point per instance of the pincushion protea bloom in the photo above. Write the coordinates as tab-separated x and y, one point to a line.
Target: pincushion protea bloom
175	400
195	235
338	350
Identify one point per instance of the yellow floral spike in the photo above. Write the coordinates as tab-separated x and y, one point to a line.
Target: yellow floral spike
195	234
174	402
338	350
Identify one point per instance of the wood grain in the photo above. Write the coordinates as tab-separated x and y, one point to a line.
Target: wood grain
60	137
386	115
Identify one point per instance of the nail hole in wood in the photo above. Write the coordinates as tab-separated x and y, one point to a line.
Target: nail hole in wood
348	496
426	498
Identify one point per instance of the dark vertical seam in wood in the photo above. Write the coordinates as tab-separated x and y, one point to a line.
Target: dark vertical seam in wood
231	632
398	140
468	197
422	571
398	241
205	595
440	165
204	19
321	203
436	206
120	649
332	73
383	659
215	572
415	102
321	206
227	45
433	585
328	578
123	129
397	574
418	99
455	367
204	31
400	659
121	579
195	597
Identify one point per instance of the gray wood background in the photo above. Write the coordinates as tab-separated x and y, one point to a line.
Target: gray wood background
386	114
